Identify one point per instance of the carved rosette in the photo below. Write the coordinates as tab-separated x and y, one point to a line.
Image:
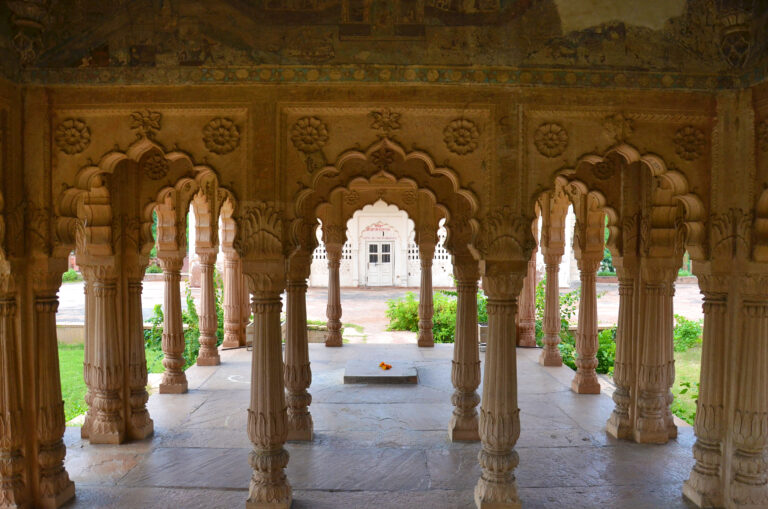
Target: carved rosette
155	166
145	122
461	136
385	121
689	142
72	136
221	136
551	139
309	134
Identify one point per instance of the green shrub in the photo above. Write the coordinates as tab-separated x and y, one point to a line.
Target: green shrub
154	269
153	341
444	318
606	351
190	318
687	333
71	276
482	307
403	313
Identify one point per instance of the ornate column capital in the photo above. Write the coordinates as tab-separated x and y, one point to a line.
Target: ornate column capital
171	263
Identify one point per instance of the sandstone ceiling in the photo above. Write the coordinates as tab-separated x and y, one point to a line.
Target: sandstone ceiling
687	44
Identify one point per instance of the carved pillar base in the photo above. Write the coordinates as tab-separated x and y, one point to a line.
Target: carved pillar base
550	354
585	381
139	424
298	374
620	423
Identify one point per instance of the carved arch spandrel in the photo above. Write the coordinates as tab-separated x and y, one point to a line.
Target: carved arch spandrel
386	159
671	219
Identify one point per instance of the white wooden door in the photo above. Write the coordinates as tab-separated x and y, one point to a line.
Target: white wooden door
380	263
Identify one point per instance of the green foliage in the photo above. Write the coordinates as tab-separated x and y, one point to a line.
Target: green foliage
153	253
154	268
444	318
687	333
606	350
482	307
606	273
190	318
71	276
153	341
403	313
606	265
218	286
686	386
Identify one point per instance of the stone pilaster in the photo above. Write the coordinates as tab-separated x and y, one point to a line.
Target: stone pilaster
55	487
499	414
267	416
749	426
526	318
103	369
585	381
465	369
333	309
705	485
233	280
12	462
656	370
245	312
209	352
426	307
620	422
550	354
298	374
174	379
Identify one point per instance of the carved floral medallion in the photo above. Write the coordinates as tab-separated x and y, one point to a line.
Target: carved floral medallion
352	198
72	136
461	136
156	166
689	142
762	135
385	121
383	158
146	122
221	136
551	139
309	134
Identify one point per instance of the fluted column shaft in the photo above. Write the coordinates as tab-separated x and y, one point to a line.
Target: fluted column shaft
12	462
656	371
749	427
550	354
298	374
267	416
233	280
103	365
526	318
426	306
140	425
209	352
465	368
585	381
499	414
620	423
333	309
705	484
54	485
174	379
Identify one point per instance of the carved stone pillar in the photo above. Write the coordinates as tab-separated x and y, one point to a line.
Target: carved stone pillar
174	379
245	311
499	414
140	425
209	352
12	462
333	309
620	423
749	429
585	381
298	375
526	318
55	488
656	370
465	369
426	308
705	485
103	365
267	416
233	279
550	354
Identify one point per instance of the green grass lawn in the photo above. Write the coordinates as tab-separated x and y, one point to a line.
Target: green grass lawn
72	383
687	368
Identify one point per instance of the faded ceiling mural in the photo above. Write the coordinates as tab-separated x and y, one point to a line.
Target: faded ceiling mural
118	38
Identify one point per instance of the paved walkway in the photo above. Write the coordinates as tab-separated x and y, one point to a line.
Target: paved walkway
382	447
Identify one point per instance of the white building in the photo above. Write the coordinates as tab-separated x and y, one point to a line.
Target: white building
380	251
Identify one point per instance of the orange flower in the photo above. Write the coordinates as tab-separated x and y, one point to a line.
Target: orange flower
385	366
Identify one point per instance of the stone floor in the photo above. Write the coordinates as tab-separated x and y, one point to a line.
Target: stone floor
382	447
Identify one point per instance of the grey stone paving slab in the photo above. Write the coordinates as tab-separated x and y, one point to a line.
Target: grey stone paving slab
369	371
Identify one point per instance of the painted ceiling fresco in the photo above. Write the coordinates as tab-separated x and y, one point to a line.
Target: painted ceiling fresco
727	37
